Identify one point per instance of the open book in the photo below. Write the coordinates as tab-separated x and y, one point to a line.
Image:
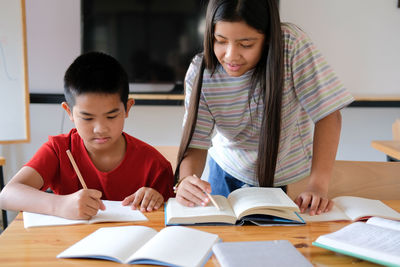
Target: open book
258	205
172	246
377	240
348	208
114	212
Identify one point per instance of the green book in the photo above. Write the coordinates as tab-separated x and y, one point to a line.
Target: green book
377	240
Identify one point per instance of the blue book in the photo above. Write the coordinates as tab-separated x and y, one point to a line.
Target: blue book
255	205
172	246
259	253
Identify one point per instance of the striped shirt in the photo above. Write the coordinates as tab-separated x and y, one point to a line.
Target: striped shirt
311	92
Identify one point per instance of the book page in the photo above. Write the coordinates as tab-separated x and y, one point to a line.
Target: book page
177	246
114	212
248	198
179	214
365	240
110	243
390	224
357	207
335	214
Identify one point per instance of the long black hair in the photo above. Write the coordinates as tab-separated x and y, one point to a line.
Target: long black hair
262	15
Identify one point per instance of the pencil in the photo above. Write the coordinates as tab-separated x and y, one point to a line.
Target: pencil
211	198
71	158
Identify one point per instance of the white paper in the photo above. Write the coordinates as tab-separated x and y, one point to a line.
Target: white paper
114	212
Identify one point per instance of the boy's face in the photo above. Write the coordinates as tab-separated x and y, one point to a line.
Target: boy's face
99	119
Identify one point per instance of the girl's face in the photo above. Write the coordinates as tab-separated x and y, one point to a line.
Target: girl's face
237	46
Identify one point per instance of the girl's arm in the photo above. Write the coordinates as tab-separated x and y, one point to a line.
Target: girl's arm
23	193
190	191
326	140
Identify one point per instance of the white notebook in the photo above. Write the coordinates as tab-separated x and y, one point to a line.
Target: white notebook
172	246
114	212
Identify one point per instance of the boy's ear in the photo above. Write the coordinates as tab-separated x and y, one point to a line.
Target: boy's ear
129	104
65	106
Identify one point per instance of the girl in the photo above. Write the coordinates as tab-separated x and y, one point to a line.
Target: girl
261	85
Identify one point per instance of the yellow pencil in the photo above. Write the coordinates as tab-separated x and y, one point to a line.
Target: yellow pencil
71	158
211	198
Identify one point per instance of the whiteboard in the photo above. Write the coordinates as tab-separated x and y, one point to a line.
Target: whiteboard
359	38
14	95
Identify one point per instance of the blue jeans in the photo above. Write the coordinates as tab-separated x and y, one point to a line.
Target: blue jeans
222	183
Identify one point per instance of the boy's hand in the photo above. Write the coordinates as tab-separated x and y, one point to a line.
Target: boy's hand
146	198
82	204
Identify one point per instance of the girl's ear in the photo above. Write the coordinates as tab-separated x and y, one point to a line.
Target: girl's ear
129	104
65	106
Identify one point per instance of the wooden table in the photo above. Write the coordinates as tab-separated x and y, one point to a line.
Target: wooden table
390	148
39	246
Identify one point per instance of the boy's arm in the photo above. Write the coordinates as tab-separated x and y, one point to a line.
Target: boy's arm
326	140
23	193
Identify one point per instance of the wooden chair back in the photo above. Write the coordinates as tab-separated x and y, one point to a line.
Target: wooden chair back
170	153
376	180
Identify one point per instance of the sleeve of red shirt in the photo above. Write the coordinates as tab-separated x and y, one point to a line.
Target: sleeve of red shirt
46	163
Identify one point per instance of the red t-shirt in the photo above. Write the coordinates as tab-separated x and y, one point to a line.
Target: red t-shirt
142	166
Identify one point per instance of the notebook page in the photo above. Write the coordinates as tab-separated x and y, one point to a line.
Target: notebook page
177	246
115	212
111	243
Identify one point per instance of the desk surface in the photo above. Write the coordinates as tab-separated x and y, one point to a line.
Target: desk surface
39	246
390	148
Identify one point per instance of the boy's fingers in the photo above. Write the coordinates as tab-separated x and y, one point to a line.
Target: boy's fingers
102	206
94	193
158	203
128	200
152	204
138	198
145	201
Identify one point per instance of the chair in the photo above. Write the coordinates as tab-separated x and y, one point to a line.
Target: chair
376	180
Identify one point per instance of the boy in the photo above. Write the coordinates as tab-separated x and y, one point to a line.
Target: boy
114	165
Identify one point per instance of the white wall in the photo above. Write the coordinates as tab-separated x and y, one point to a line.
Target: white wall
157	125
359	38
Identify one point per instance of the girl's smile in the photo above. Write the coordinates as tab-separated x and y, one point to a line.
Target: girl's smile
237	46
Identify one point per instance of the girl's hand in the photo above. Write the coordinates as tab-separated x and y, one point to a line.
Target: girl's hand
315	200
145	199
191	191
83	204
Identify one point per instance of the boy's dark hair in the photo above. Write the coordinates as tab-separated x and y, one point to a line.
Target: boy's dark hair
95	72
262	15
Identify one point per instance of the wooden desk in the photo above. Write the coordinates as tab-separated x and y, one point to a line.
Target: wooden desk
390	148
39	246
